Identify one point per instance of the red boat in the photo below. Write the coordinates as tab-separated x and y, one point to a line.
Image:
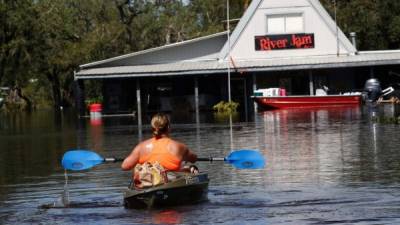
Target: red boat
282	102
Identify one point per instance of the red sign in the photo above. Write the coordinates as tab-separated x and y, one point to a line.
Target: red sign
284	41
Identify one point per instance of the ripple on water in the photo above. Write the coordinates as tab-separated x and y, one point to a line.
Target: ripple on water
79	205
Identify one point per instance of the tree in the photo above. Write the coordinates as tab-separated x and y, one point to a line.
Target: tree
375	22
70	33
390	26
16	45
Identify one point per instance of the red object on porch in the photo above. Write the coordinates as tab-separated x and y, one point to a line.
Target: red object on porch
282	92
95	107
282	102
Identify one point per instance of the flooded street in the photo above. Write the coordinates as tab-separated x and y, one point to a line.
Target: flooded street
324	166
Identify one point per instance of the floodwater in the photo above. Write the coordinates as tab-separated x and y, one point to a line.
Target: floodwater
326	166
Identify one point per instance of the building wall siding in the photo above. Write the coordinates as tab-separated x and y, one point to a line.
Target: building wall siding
325	38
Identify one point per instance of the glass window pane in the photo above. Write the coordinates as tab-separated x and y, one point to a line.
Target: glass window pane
276	25
294	24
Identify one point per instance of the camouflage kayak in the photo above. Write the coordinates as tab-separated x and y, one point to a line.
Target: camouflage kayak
182	188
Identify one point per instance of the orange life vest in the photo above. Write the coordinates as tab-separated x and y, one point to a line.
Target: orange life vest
160	154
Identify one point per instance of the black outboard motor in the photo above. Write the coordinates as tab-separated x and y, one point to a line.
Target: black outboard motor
373	90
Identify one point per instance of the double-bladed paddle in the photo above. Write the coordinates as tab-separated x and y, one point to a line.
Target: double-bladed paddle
84	159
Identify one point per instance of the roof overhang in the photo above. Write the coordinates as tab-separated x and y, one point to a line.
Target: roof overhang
372	58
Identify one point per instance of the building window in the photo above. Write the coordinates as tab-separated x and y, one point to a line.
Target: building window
290	23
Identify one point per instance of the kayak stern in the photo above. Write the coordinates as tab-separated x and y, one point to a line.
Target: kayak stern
185	189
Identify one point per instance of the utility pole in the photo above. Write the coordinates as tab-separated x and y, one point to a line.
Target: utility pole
229	51
337	29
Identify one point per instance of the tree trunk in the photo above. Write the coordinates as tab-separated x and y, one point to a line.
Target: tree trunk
168	35
26	99
2	68
55	84
79	93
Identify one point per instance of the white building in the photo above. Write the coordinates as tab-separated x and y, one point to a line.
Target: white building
293	44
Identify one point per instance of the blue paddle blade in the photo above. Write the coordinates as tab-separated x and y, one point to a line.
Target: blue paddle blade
246	159
80	160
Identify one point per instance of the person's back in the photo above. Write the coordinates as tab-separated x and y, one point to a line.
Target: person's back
162	149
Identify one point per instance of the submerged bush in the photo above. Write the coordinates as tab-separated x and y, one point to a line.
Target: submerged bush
226	107
93	100
395	120
224	117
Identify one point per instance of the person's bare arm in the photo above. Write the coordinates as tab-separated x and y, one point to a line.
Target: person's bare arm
131	161
181	150
189	156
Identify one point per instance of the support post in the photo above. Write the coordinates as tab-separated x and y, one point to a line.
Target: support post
246	107
196	99
80	97
311	82
371	72
139	108
337	29
229	52
254	89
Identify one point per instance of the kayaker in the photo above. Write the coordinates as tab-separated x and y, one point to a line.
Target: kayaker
160	148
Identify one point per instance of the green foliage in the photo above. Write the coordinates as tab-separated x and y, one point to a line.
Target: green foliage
224	117
375	22
93	91
38	93
16	41
226	111
226	107
98	99
48	39
386	120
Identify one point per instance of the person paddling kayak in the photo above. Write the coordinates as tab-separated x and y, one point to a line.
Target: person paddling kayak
160	148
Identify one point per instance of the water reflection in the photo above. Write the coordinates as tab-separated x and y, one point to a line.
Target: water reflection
27	139
96	134
320	145
338	146
167	217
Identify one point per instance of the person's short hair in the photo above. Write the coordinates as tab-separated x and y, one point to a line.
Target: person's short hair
159	124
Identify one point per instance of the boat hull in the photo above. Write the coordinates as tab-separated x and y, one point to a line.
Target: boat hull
186	189
282	102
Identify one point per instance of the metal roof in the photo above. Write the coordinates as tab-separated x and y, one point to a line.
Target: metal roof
211	46
370	58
